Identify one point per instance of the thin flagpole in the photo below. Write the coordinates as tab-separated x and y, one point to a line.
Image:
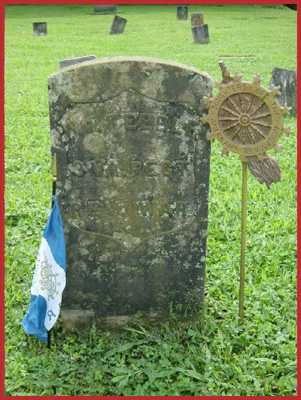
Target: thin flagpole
243	240
54	179
54	176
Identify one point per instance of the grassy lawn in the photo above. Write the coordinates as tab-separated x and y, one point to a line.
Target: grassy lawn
215	355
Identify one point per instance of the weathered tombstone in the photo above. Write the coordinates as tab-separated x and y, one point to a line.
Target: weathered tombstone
200	34
133	179
105	9
182	12
197	19
287	80
76	60
40	28
118	25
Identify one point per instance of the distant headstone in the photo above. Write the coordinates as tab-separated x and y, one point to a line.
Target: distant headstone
287	80
182	12
133	180
118	25
200	34
197	19
77	60
40	28
105	9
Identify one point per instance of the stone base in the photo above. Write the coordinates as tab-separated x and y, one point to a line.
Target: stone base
83	318
86	318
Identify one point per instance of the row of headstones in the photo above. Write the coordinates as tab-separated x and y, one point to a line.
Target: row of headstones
199	30
286	79
118	25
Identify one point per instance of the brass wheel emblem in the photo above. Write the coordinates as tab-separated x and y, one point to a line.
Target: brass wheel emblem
247	119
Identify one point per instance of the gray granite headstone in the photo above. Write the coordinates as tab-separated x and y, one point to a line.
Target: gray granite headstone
40	28
287	80
105	9
72	61
118	25
197	19
200	34
133	180
182	12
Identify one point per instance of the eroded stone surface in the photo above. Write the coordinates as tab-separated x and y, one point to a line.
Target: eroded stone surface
133	181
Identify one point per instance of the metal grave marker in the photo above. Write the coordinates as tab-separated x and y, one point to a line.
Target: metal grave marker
247	119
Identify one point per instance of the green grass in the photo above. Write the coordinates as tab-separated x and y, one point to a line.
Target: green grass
215	355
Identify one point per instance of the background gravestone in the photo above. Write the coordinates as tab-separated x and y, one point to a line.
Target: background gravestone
197	19
118	25
200	34
133	181
105	9
76	60
287	80
182	12
40	28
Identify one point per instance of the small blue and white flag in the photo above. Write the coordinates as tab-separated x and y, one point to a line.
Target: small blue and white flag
49	279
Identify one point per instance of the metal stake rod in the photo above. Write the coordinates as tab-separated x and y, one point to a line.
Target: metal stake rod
54	179
243	240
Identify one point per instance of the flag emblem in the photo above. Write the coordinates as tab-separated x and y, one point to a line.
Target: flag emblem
48	279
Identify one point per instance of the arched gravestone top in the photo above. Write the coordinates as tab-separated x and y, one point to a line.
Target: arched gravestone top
133	181
159	79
